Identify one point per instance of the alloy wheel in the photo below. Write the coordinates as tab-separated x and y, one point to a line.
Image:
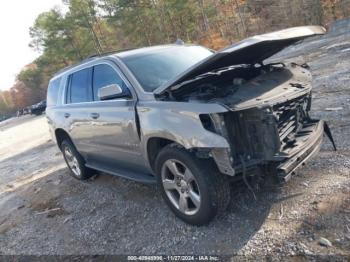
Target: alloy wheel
72	162
181	186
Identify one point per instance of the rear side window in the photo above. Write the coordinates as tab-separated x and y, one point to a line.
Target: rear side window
52	92
104	75
79	86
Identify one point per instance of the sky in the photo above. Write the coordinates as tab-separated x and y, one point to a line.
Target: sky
16	17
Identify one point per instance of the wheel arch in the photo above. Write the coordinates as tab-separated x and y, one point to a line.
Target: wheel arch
154	146
61	135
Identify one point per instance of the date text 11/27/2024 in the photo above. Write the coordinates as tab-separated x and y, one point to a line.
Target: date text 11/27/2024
173	258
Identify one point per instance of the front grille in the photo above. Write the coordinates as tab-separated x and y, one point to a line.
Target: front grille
290	116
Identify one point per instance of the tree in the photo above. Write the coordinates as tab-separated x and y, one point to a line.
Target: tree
95	26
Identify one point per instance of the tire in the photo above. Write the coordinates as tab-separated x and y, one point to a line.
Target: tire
75	161
205	190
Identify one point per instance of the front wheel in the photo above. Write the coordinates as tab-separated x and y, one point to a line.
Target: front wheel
193	188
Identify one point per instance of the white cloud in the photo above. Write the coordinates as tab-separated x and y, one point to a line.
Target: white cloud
16	17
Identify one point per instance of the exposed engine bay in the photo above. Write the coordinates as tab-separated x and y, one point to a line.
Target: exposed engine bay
243	86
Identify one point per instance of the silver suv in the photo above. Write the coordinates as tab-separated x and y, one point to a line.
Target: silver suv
188	118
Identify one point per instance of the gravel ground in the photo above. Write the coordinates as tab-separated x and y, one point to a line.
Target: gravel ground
111	215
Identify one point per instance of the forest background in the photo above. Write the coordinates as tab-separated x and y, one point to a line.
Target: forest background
88	27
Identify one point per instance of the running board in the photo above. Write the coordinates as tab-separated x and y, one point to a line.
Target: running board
131	175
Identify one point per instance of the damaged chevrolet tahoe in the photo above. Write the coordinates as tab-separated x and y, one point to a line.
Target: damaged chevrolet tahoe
188	118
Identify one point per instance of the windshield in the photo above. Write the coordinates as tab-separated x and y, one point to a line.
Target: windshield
152	70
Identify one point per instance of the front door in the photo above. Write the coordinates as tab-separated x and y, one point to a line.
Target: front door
113	136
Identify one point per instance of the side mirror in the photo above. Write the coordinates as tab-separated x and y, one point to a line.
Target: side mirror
110	92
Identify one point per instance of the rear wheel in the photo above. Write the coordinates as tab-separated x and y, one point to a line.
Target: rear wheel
75	161
193	188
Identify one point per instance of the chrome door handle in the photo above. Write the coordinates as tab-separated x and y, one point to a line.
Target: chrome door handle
66	115
95	115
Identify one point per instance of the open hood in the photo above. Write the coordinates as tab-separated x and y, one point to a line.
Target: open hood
252	50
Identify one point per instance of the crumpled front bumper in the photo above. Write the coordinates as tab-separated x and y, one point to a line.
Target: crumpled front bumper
308	145
286	160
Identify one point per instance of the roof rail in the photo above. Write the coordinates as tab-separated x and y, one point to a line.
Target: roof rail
91	57
73	65
109	52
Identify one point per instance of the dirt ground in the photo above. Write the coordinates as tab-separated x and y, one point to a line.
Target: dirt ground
45	211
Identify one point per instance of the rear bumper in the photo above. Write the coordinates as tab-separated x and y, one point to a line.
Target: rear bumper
309	144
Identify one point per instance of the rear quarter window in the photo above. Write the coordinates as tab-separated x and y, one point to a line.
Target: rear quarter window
52	91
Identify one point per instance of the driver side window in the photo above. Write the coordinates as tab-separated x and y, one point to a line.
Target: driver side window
104	75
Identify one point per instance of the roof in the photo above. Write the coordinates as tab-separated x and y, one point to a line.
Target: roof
148	50
123	54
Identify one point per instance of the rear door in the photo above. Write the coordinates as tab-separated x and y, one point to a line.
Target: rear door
113	136
78	97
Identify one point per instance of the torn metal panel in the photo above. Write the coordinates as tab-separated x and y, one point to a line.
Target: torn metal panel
223	160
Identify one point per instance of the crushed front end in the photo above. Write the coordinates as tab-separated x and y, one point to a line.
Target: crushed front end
267	123
271	127
282	136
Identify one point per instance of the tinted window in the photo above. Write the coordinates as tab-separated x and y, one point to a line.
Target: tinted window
80	86
105	75
52	92
156	68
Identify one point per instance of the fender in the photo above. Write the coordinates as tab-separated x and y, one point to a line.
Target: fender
174	121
